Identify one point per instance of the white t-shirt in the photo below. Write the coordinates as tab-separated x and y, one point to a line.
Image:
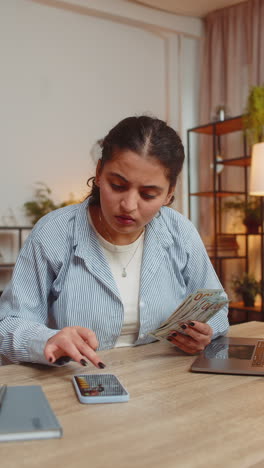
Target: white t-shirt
128	257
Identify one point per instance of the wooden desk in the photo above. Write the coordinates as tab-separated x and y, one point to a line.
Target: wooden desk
174	418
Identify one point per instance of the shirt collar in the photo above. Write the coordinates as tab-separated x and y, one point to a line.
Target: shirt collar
157	229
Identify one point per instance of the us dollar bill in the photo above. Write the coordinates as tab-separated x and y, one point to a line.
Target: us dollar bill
200	306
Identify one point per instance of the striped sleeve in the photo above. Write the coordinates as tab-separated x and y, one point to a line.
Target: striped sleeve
200	273
24	307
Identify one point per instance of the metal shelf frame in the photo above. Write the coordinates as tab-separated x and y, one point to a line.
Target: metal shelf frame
215	130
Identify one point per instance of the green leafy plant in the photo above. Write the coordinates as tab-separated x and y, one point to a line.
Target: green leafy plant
246	286
43	203
253	120
249	212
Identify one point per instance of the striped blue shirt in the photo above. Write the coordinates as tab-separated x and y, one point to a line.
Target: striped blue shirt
62	278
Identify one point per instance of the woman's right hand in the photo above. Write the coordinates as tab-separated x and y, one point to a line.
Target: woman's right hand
77	343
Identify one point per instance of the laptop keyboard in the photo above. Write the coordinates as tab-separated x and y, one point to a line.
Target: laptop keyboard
258	358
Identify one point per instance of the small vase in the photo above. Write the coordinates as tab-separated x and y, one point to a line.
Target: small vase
252	228
248	300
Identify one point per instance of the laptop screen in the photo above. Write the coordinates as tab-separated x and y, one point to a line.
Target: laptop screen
227	351
232	356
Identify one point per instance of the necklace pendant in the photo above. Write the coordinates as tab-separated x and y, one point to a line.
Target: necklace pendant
124	273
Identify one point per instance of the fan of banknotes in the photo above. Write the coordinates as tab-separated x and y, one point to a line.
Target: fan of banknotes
200	306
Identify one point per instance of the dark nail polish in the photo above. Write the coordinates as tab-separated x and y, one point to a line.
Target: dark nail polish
101	365
83	362
50	359
192	324
184	327
62	360
174	334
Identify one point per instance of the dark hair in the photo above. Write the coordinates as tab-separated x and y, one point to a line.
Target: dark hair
146	136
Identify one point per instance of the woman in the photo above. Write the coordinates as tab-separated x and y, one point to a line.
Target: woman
108	271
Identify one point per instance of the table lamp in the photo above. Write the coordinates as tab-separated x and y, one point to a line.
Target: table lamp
256	188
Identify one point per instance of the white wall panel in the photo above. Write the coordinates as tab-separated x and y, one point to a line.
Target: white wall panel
66	79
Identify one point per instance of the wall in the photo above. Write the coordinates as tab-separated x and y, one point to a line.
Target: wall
69	72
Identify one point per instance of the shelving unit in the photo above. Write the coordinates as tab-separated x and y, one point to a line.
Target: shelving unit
6	266
214	131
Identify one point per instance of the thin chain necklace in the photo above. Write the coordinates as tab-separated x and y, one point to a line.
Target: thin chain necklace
124	267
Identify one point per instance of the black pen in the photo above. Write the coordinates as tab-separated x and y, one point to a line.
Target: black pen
2	393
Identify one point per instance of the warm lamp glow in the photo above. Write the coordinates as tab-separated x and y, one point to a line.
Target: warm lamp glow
257	170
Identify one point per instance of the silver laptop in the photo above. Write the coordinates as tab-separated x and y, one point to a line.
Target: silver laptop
226	355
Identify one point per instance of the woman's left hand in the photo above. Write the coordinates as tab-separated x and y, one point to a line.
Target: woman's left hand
198	336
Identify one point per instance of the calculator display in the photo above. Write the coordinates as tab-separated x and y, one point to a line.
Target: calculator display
99	385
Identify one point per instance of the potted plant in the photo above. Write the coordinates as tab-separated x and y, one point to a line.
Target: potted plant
43	203
249	211
253	120
247	287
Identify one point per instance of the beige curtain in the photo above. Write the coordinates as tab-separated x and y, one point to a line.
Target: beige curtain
232	61
233	57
